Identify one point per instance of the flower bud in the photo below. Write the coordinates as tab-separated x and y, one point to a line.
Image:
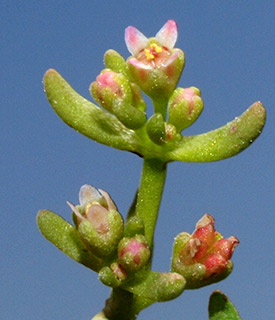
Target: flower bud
203	257
184	107
130	116
110	86
171	132
133	253
113	276
114	61
98	222
156	129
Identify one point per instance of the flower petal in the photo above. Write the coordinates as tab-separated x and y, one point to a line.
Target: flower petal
98	217
135	40
110	203
139	64
75	210
88	194
168	34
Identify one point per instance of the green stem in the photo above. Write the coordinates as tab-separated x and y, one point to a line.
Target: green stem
150	194
122	304
160	106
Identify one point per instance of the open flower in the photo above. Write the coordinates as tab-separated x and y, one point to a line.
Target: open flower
94	207
99	223
203	257
155	65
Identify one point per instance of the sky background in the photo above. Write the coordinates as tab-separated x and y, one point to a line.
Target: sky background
229	47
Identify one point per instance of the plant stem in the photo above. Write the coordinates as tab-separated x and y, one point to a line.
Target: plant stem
160	106
150	194
122	304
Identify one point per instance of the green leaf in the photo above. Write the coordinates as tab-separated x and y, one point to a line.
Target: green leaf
221	308
86	117
65	237
223	142
150	287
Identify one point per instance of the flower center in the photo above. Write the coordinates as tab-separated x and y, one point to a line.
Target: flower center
153	51
154	55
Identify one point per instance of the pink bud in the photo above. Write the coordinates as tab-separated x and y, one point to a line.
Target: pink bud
107	79
133	253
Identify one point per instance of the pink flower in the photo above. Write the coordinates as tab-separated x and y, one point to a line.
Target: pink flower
203	257
99	224
155	54
151	53
213	251
94	207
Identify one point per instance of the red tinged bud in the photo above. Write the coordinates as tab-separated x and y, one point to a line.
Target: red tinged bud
133	253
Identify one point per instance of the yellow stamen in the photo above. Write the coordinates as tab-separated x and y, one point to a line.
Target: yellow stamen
152	51
156	48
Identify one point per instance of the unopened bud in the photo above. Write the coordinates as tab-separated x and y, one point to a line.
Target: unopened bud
184	107
110	86
113	276
133	253
114	61
156	129
130	116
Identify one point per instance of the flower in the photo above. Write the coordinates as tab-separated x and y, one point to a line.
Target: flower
94	207
203	257
98	222
155	65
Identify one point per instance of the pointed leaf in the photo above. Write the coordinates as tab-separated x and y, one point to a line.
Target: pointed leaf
84	116
65	237
223	142
221	308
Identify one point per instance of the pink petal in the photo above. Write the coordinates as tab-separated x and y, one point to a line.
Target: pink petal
135	40
172	58
75	210
168	34
98	216
110	203
139	64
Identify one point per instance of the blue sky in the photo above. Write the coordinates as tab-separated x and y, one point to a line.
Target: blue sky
229	48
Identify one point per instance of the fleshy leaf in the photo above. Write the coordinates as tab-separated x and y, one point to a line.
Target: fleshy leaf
223	142
150	287
221	308
84	116
65	237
